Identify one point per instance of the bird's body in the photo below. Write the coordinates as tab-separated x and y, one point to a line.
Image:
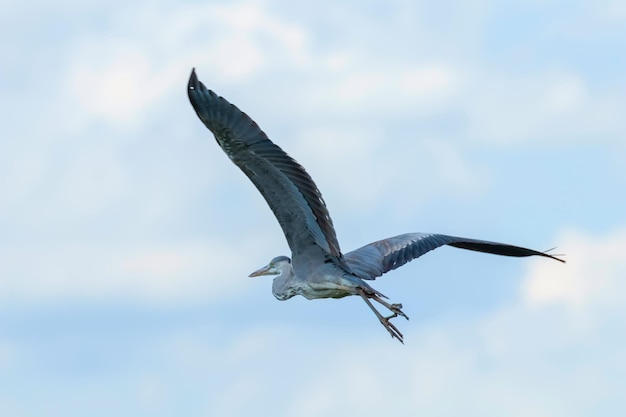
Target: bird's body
327	281
317	269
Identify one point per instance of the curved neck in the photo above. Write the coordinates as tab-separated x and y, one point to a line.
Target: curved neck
282	286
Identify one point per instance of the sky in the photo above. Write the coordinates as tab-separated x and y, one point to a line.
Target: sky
126	235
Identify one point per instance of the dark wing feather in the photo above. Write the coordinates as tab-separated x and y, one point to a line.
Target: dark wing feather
375	259
288	189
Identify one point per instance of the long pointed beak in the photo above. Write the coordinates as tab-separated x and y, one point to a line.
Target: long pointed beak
263	271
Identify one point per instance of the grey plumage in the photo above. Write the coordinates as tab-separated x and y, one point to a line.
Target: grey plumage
377	258
318	269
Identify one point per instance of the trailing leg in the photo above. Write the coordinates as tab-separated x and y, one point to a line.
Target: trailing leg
394	308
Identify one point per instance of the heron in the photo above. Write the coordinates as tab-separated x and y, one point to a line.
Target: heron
317	267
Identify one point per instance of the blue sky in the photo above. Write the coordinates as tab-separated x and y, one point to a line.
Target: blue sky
127	235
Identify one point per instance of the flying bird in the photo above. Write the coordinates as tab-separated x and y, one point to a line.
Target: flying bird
317	267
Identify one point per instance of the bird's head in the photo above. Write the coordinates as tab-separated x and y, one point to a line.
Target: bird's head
276	267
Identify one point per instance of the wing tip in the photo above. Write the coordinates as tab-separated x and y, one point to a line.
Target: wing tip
193	80
555	256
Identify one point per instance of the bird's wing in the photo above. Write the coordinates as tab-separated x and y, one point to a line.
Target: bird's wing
375	259
288	189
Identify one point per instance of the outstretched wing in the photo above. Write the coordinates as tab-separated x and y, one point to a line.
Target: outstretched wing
375	259
288	189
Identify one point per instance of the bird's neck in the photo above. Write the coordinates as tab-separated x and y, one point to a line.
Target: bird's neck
282	286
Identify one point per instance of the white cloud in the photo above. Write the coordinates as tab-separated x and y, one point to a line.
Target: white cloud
119	75
566	95
118	88
355	165
614	10
256	29
556	106
185	271
589	280
354	86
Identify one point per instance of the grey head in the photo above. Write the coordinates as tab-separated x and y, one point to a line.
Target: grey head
277	266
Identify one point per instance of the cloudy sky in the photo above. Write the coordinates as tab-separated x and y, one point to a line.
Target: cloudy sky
126	235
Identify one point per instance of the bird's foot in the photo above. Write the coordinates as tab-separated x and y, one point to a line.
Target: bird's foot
396	309
391	328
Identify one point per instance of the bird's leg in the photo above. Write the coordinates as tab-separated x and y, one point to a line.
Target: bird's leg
393	330
396	309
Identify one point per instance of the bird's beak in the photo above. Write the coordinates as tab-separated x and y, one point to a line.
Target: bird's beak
263	271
